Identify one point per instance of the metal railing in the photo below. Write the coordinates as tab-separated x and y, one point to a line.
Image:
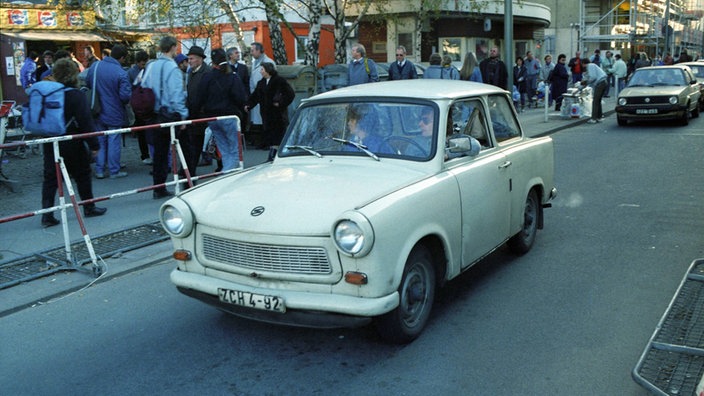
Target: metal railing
70	201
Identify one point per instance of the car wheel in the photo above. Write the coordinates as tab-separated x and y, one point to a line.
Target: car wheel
416	295
621	121
695	112
522	242
684	120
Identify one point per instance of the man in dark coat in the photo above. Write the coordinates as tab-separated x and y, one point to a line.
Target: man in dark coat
274	94
195	133
559	81
402	69
494	70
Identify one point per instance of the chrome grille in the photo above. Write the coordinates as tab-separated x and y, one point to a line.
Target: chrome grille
254	256
651	100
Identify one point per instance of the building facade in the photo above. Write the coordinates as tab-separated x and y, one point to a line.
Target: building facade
34	26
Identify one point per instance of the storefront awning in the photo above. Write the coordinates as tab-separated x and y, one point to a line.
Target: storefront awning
56	35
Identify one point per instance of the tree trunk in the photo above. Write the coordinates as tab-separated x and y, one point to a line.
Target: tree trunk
313	45
273	17
235	21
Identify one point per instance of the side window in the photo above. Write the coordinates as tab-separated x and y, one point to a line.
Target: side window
468	118
503	120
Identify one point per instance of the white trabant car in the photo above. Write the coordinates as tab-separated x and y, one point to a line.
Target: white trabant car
379	194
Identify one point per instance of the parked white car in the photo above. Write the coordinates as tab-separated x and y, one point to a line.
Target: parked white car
379	194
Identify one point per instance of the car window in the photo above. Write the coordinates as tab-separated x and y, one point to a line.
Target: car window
698	71
468	118
383	129
503	120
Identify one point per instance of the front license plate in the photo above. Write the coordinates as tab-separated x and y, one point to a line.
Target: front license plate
646	111
252	300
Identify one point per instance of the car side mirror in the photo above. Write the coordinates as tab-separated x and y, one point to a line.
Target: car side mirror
459	145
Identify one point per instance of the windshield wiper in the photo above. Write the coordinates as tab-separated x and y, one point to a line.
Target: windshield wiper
305	148
638	85
360	147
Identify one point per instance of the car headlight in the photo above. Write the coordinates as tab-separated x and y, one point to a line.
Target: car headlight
176	218
622	101
674	100
353	235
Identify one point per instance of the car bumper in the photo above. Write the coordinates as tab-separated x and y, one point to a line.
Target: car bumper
662	112
319	310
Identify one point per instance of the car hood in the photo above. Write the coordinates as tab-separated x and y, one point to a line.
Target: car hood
652	91
294	199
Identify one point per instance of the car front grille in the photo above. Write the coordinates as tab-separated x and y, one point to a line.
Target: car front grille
648	100
261	257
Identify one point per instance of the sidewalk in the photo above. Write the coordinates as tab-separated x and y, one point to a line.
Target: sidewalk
47	288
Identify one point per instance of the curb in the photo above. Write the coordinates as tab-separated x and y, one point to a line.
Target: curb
46	290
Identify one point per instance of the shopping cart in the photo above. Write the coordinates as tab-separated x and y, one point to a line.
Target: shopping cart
577	102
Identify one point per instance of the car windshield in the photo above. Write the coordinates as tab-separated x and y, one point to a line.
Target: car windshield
374	129
657	77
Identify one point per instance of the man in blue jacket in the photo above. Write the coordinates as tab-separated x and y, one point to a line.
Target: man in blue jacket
361	69
114	90
164	78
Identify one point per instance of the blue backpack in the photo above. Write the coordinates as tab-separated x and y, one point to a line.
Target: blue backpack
44	113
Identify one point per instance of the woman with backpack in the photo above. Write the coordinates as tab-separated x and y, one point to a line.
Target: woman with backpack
75	154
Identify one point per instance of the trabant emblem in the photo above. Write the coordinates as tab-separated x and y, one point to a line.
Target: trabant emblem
647	100
257	211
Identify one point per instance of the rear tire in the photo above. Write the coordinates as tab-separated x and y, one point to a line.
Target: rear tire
522	242
416	295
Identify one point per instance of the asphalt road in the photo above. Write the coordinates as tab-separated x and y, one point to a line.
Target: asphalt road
569	318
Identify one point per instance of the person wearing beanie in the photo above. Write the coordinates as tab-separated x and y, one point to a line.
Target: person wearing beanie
222	93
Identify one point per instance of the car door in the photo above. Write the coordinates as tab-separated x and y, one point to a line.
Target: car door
483	183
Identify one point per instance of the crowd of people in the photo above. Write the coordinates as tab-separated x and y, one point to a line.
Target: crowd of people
185	87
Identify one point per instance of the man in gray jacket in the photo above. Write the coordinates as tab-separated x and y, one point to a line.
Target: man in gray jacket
164	78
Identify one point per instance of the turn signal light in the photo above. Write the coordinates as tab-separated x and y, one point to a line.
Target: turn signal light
356	278
182	255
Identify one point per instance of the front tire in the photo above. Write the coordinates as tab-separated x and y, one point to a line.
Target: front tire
684	120
522	242
621	121
416	295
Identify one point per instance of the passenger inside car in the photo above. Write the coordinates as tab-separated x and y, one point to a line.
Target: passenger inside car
362	124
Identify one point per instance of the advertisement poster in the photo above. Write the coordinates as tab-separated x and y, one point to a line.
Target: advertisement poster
18	57
10	66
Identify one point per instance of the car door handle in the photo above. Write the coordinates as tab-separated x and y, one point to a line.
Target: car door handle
505	165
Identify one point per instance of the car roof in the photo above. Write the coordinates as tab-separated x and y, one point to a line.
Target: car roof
432	89
679	66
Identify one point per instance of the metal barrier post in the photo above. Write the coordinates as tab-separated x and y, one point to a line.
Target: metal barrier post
63	176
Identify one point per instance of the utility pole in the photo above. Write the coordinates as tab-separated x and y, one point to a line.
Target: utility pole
508	41
666	28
